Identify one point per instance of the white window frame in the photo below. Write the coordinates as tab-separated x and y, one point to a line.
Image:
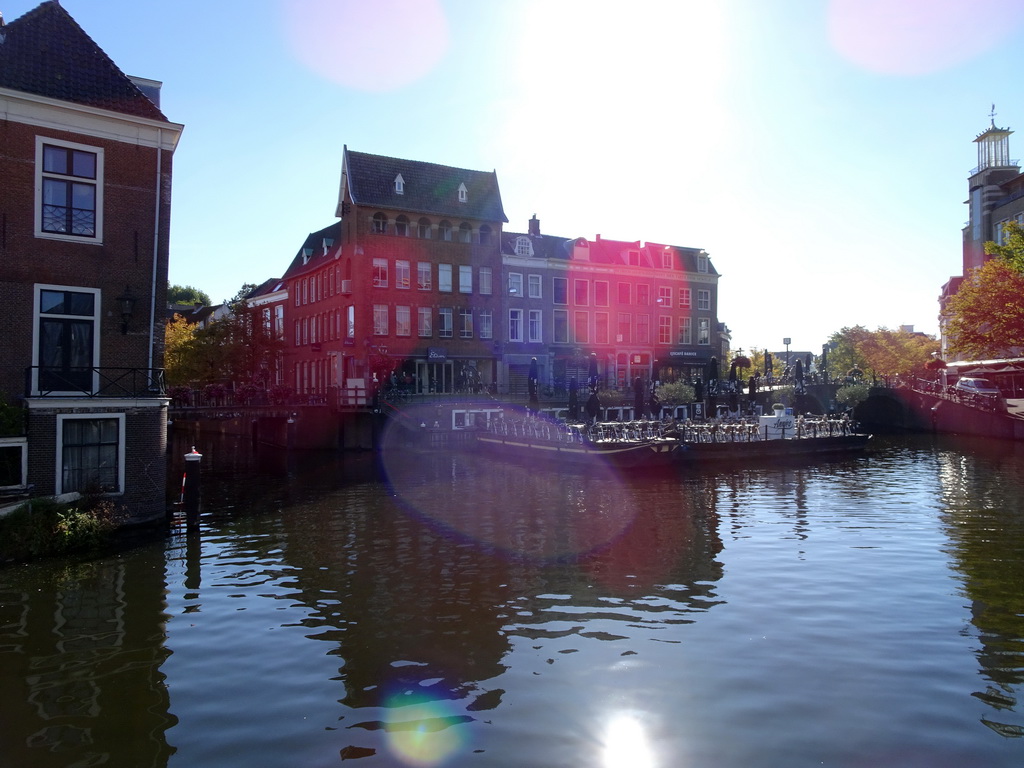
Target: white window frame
444	278
37	315
685	298
424	322
62	418
465	323
686	330
556	337
703	300
534	326
399	185
704	331
564	281
97	237
445	323
533	286
515	284
380	274
424	275
486	325
465	278
402	274
380	319
523	246
664	329
515	325
486	283
403	321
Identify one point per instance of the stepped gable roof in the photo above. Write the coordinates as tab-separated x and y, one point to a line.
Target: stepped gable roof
429	188
314	242
544	246
45	52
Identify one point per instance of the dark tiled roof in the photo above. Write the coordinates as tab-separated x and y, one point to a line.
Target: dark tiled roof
544	246
46	53
315	242
429	188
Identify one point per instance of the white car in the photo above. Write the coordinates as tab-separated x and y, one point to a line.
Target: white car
977	386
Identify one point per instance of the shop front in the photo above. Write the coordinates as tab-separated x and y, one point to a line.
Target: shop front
686	365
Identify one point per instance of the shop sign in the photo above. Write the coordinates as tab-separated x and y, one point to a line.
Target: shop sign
437	353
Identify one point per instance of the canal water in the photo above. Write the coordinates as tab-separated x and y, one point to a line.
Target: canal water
454	611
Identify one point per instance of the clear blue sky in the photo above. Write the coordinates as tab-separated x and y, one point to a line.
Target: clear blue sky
817	149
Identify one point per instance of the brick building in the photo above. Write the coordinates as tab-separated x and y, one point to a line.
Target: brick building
85	159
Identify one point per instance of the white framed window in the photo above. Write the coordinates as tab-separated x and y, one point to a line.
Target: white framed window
380	319
69	191
444	231
643	294
444	323
702	262
600	327
685	330
403	321
66	343
515	325
380	223
581	293
486	324
465	233
402	226
600	293
444	277
523	246
684	298
560	290
424	324
90	453
533	286
666	259
13	462
703	300
485	281
634	258
402	274
704	331
534	330
399	185
581	328
350	321
625	293
279	321
485	235
465	323
463	193
423	229
465	279
665	296
643	329
515	284
664	329
423	275
624	328
560	331
380	274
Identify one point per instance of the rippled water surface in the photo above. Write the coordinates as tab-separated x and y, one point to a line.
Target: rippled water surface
456	611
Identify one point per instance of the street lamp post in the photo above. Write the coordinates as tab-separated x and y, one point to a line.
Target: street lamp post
786	341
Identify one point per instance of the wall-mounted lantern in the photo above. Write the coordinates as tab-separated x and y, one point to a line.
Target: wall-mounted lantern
126	303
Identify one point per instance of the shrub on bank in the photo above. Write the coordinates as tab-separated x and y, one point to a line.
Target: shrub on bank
43	527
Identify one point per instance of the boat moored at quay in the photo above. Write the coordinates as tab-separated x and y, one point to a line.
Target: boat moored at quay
660	444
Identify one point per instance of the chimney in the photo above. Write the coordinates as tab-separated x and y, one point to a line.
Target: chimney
534	226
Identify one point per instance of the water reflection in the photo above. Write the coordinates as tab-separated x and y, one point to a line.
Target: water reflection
983	511
81	646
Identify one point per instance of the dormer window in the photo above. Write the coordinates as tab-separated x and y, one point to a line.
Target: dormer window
702	262
399	185
463	193
524	247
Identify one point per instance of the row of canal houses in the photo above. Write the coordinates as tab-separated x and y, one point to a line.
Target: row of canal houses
419	286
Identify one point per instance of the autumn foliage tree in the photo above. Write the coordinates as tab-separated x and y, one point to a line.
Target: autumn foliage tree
985	318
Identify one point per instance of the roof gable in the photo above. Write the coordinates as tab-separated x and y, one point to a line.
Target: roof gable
428	188
45	52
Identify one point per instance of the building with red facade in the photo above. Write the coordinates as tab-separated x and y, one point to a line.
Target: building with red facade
85	163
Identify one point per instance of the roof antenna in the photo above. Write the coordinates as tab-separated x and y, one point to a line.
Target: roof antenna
992	115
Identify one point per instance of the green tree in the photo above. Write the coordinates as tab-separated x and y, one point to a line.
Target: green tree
179	351
846	354
1012	249
186	294
985	318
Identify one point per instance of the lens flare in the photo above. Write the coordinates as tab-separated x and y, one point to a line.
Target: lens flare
626	744
421	733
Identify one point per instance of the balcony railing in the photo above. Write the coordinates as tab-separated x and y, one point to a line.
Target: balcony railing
44	381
